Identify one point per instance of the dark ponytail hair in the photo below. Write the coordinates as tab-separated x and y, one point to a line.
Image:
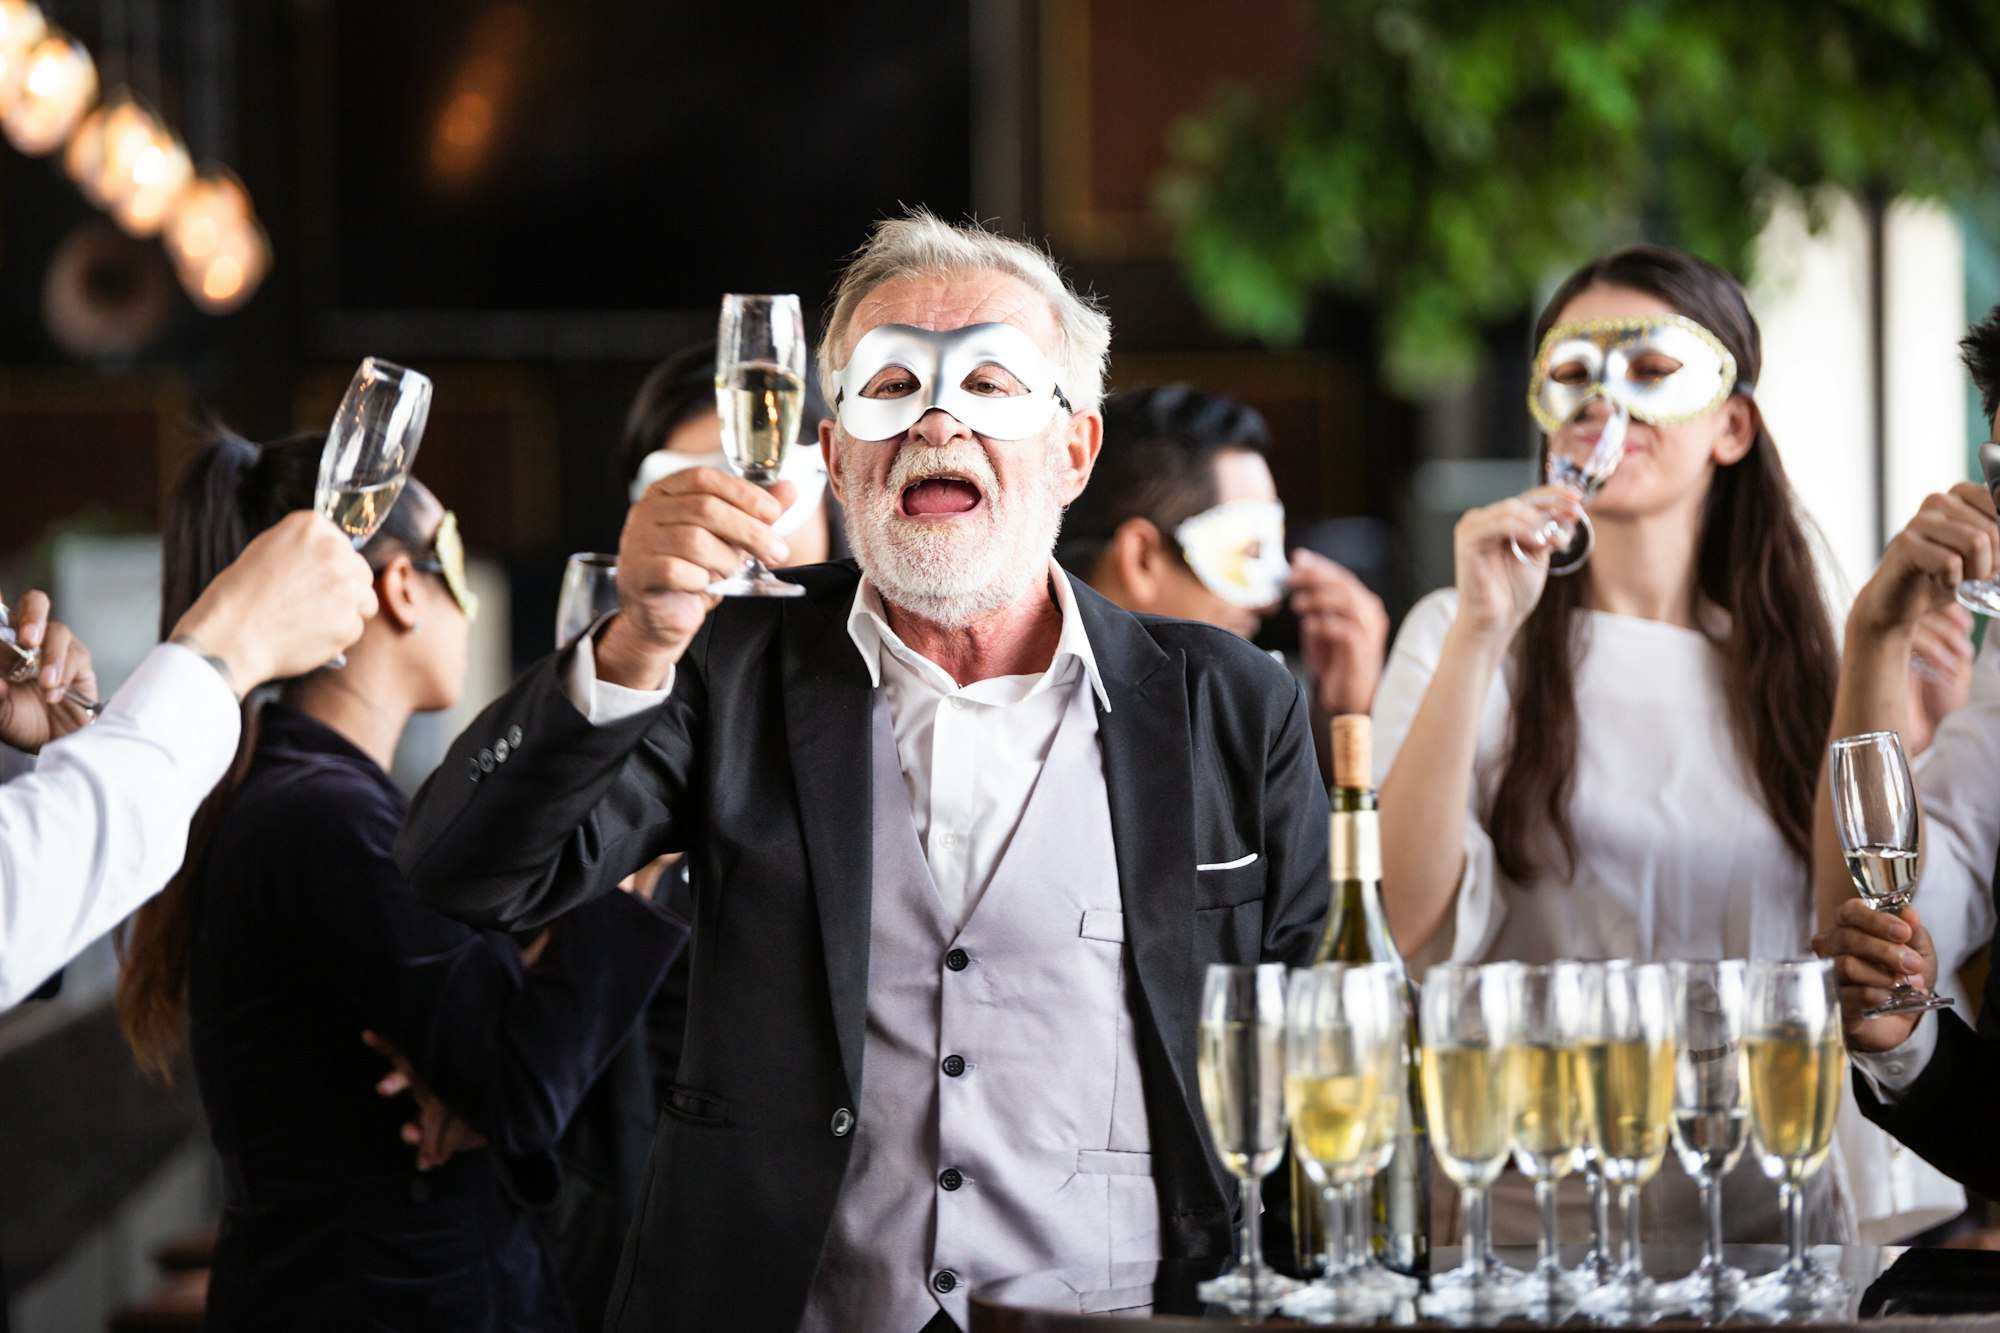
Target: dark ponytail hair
231	491
1753	559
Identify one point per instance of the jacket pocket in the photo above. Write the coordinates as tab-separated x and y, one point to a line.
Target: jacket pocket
695	1108
1101	924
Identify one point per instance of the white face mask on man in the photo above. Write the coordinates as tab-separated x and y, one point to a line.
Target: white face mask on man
991	377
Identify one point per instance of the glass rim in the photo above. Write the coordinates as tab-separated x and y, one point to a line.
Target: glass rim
593	559
1863	738
1789	965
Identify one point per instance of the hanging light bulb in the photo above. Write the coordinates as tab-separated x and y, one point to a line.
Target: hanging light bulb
58	83
106	144
21	27
218	248
159	175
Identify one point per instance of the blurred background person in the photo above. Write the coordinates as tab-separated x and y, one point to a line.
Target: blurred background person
1182	518
288	935
1619	763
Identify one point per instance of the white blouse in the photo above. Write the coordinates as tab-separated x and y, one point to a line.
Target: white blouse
1677	856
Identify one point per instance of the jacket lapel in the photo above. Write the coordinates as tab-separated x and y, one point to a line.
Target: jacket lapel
827	700
1149	779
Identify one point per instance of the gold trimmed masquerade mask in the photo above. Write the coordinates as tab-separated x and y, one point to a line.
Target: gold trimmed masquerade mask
448	562
1237	550
1664	369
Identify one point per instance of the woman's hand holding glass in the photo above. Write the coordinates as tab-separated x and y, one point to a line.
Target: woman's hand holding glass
1952	540
1496	591
1580	458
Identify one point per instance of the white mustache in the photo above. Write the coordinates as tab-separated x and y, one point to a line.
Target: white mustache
912	465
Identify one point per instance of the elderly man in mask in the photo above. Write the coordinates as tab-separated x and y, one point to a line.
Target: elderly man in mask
964	835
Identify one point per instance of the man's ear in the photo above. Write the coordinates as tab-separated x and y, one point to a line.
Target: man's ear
396	590
1139	560
829	448
1082	439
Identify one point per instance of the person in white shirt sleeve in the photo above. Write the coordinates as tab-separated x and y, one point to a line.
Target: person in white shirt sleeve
1929	1083
101	823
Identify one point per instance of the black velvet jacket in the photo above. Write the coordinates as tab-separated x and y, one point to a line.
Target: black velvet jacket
305	935
758	766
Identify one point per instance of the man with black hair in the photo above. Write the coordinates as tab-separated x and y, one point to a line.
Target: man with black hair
1915	1077
1183	519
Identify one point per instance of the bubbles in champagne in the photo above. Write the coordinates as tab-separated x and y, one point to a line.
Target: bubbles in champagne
760	404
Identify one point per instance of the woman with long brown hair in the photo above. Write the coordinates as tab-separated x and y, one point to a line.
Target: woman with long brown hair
1619	763
289	933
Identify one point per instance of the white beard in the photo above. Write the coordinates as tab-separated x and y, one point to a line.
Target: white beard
952	574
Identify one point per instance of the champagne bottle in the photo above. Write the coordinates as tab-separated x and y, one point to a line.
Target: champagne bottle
1357	932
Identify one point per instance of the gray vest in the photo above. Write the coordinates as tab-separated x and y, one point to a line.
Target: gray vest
1001	1129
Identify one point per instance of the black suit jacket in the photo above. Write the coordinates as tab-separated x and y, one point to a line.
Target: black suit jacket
1943	1116
758	766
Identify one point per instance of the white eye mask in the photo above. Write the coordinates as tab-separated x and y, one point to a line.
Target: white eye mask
943	364
1237	550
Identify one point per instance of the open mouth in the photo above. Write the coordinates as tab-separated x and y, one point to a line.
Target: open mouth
945	496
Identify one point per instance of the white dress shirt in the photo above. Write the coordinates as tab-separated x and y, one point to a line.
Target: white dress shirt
101	823
970	754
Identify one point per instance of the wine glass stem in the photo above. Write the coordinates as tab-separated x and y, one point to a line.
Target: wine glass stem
1249	1236
1629	1207
1600	1214
1360	1233
1545	1203
1478	1231
1793	1199
1331	1208
1711	1222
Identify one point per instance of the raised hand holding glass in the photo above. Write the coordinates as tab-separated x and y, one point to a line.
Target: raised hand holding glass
1875	811
760	393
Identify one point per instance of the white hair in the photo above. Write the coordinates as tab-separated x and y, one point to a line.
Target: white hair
921	244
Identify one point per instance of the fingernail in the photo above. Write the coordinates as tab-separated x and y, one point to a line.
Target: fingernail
783	549
49	676
1911	963
32	634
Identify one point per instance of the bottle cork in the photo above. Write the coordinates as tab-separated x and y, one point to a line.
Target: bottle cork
1353	751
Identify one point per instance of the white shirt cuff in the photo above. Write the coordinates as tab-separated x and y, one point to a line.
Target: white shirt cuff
184	706
601	701
1891	1072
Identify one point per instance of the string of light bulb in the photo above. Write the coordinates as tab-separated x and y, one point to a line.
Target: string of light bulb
128	161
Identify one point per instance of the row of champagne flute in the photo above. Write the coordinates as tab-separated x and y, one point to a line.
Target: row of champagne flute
1555	1067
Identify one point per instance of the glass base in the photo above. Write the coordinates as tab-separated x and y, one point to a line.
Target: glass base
1908	999
1625	1294
761	584
1709	1293
1550	1286
1324	1302
1248	1290
1981	596
1572	556
1468	1290
1371	1277
1806	1289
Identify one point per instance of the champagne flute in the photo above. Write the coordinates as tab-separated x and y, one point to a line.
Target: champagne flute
1466	1016
1983	595
589	591
370	449
1242	1075
1708	1127
1875	809
1797	1065
760	393
1342	1031
1544	1067
1628	1097
27	661
1583	462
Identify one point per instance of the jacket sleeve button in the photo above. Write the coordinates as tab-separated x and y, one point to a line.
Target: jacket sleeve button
843	1123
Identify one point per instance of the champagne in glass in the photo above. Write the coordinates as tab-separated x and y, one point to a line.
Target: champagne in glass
1343	1057
1545	1068
1468	1022
1581	456
589	592
1396	1232
1241	1070
1628	1098
1709	1115
1875	810
370	448
1797	1064
760	393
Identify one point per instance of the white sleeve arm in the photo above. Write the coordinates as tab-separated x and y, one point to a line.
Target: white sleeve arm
1961	835
101	824
600	700
1891	1072
1477	909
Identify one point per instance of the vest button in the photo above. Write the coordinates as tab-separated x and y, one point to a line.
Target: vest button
843	1123
951	1179
954	1065
944	1280
958	960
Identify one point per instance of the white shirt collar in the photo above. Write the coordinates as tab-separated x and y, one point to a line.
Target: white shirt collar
868	626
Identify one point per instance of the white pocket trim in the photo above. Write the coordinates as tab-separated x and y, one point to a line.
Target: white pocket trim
1237	864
